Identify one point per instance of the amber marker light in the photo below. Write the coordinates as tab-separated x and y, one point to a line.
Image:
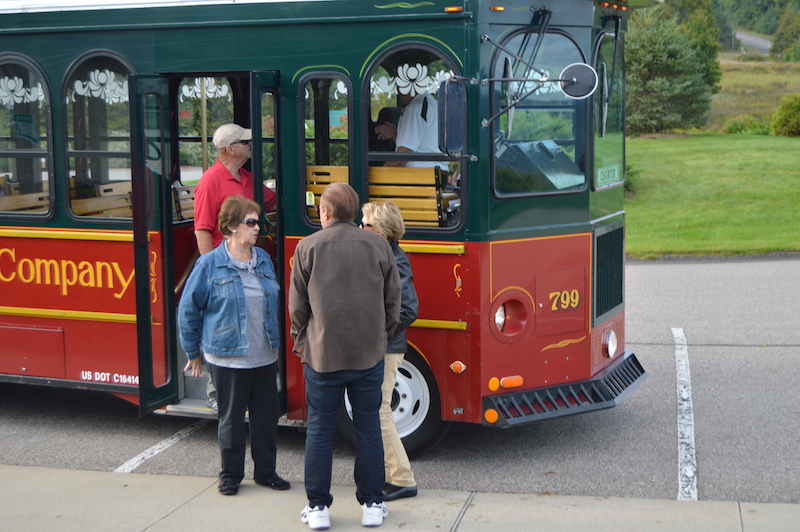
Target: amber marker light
491	415
453	9
497	8
512	381
494	384
458	366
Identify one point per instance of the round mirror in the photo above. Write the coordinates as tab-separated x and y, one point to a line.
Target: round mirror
578	81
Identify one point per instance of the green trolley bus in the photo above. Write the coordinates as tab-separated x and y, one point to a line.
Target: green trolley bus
515	224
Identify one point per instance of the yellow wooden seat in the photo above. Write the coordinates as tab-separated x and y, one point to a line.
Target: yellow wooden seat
116	206
28	203
114	189
184	201
417	192
319	177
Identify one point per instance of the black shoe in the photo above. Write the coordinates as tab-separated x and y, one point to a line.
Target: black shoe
277	483
228	487
392	492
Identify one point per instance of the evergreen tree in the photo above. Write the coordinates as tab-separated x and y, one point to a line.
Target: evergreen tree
699	22
666	83
788	32
726	37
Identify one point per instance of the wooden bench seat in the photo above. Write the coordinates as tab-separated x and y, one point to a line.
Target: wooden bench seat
116	206
184	201
319	177
27	203
417	192
114	189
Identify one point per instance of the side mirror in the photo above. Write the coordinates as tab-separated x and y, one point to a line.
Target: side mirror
578	81
452	111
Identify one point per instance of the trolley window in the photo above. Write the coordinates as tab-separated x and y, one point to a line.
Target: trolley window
325	134
25	137
406	165
538	144
204	104
609	130
99	133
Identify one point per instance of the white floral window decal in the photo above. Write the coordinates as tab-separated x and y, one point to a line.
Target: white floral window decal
13	91
411	80
213	90
103	84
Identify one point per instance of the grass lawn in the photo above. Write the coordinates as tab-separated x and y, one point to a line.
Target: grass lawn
713	194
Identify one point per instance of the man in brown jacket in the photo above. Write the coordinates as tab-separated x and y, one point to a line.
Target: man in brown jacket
344	303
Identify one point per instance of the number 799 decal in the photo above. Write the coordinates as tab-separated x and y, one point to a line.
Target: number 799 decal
565	300
566	292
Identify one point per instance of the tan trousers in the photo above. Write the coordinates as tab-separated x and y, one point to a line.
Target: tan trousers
395	459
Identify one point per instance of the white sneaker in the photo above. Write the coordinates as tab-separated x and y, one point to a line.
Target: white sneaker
373	514
317	517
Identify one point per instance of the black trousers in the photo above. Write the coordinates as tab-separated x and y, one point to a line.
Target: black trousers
237	391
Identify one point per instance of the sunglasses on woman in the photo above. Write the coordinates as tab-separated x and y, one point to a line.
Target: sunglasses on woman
250	222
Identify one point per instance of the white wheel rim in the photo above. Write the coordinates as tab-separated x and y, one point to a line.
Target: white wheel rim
414	400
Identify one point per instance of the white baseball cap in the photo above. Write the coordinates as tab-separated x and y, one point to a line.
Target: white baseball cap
227	134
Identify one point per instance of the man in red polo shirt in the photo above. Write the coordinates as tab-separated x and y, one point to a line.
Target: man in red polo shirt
224	179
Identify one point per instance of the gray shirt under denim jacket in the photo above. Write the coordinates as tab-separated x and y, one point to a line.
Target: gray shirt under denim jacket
213	311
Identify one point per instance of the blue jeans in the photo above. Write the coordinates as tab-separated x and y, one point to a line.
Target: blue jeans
324	393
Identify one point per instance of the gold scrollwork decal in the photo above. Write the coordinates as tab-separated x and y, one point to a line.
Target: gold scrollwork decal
153	276
564	343
406	5
457	289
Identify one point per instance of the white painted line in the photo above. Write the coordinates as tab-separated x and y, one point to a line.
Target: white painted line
163	445
687	461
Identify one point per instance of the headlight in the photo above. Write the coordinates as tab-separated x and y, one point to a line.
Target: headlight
500	317
610	343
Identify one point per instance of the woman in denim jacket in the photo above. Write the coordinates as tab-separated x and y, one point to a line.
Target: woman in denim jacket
228	315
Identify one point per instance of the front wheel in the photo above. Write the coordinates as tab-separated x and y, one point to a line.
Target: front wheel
416	408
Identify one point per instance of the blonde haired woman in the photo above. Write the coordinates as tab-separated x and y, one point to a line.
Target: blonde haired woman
385	219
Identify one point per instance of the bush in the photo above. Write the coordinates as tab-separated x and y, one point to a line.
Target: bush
786	120
631	179
745	125
753	58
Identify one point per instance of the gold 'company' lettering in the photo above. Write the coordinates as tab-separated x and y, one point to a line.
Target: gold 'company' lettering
63	273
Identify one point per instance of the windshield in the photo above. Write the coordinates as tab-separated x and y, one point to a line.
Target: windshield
536	149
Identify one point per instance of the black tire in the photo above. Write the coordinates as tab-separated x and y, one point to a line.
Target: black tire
416	406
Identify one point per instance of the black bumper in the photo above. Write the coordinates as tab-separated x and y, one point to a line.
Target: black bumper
606	390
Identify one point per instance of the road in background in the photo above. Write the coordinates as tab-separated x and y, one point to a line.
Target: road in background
760	44
742	351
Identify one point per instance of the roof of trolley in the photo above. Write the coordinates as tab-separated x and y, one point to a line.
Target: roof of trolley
41	6
33	6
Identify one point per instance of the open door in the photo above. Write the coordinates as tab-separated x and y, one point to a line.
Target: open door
266	167
264	120
152	240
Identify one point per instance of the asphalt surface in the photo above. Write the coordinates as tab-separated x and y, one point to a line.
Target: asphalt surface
760	44
612	470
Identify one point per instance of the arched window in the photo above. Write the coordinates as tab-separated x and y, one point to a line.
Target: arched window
25	137
99	136
406	165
